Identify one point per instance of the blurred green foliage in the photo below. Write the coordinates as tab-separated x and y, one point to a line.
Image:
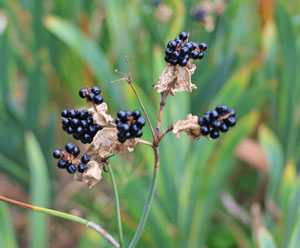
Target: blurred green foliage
51	48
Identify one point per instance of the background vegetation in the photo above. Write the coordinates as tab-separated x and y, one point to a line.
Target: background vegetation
242	190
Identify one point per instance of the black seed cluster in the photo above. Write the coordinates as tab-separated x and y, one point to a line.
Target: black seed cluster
215	121
80	123
66	157
180	50
91	95
129	125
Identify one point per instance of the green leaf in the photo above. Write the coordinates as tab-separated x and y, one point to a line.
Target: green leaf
265	239
7	235
39	191
295	239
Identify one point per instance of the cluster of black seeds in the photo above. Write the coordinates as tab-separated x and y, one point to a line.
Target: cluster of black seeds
199	14
91	95
66	158
180	50
215	121
80	123
129	125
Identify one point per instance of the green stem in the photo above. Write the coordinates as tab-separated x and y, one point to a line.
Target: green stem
63	215
146	210
117	205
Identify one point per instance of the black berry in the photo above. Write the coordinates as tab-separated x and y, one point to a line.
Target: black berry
96	90
71	169
85	159
214	134
204	130
81	168
56	153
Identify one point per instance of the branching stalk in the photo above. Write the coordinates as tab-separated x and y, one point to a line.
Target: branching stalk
63	215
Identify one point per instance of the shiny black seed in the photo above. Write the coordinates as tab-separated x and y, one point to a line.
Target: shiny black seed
201	55
169	51
98	127
119	125
183	35
194	54
128	113
86	138
92	130
167	59
81	168
214	134
98	99
82	92
128	135
84	123
117	120
76	151
216	125
85	158
64	113
134	129
83	114
172	44
66	122
222	109
141	122
122	115
214	114
194	44
79	130
175	55
96	90
62	164
136	114
73	113
71	169
189	45
56	153
204	130
125	127
230	121
75	122
70	130
77	136
89	120
90	96
207	119
202	46
224	128
139	133
173	61
69	147
201	121
184	51
183	62
121	139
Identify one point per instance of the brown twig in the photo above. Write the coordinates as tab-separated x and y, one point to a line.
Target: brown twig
144	142
129	81
161	110
169	129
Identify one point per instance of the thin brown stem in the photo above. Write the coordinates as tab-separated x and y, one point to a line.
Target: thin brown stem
63	215
145	142
161	110
169	129
129	81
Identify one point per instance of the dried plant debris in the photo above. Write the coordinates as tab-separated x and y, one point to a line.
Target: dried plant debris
100	115
176	79
190	126
92	175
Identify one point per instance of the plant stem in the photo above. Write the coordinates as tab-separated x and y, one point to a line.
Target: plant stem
161	110
63	215
148	202
117	205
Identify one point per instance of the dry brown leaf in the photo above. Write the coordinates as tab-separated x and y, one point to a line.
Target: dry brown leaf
92	174
190	126
100	116
176	79
106	143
